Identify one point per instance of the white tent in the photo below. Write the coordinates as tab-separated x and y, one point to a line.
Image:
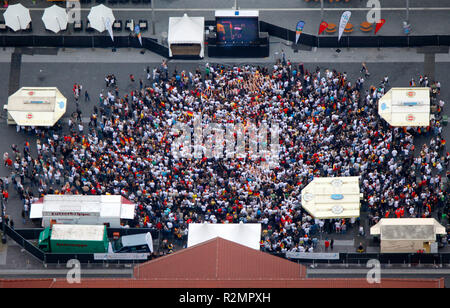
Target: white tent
36	106
87	210
406	107
17	17
186	30
102	18
407	235
337	197
55	18
245	234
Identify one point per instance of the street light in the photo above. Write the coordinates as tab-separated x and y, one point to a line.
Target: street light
3	221
153	16
407	11
321	10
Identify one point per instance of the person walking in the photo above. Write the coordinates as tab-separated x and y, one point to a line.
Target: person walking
86	96
331	244
365	70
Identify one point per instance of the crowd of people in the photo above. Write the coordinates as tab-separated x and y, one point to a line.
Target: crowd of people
329	126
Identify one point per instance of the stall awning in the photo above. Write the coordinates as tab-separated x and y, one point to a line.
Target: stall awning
406	107
186	30
36	106
95	205
332	197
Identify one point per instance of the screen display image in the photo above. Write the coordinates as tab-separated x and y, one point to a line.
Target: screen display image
237	30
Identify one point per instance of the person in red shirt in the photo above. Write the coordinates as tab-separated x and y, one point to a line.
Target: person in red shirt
5	196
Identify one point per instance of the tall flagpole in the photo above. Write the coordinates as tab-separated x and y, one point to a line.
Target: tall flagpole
321	10
407	11
153	16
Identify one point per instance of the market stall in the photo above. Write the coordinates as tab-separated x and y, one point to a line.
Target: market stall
35	107
112	210
406	107
407	235
186	36
332	197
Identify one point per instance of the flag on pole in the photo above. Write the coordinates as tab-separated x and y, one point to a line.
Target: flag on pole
299	30
108	26
137	30
323	26
379	24
344	20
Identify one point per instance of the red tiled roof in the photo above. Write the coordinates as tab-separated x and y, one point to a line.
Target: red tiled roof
186	283
219	259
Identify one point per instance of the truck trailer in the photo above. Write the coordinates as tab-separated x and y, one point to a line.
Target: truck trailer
62	238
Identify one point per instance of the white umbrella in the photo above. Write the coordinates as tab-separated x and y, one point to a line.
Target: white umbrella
55	18
101	18
17	17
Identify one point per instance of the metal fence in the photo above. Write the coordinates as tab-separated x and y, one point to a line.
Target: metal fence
73	41
384	258
20	236
24	243
356	41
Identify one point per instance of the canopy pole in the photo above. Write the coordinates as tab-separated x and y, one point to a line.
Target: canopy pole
20	24
59	25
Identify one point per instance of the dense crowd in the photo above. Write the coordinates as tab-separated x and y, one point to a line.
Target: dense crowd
329	126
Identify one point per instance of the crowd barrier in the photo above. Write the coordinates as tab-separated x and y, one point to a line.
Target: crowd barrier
14	235
74	41
383	258
97	41
351	41
20	236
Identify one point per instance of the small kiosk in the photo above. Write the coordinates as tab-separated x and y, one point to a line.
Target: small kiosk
35	107
186	36
407	235
109	210
332	197
403	107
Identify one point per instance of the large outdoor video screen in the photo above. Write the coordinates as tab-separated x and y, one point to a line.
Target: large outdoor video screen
237	30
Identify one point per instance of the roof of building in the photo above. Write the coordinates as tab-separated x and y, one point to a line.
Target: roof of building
276	283
219	259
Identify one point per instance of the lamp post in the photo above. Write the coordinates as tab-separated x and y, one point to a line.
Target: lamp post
153	16
407	11
321	10
3	220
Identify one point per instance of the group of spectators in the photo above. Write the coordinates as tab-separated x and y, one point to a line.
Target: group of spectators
329	126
